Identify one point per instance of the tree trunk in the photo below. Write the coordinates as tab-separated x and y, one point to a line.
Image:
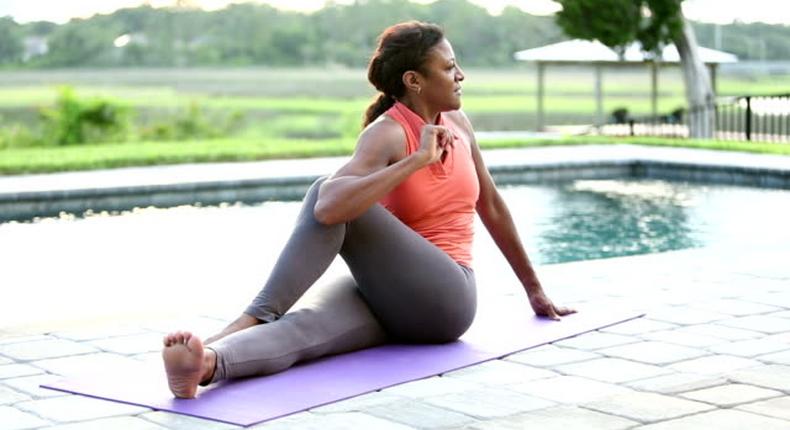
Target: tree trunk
699	94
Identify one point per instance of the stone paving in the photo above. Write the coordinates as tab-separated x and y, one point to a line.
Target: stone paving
713	351
720	359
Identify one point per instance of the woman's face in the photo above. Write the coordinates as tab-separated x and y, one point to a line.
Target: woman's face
442	78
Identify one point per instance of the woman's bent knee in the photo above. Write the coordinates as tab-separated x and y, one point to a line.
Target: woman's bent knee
456	315
453	328
439	326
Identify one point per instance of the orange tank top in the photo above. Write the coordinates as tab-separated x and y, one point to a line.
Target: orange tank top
438	201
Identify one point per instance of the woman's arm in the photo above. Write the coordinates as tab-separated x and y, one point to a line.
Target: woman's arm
379	165
496	217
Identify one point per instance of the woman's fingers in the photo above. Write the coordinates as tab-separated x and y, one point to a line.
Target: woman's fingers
562	311
444	139
444	134
552	313
449	137
546	308
432	141
435	140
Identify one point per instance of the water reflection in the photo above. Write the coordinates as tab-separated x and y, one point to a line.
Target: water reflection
599	219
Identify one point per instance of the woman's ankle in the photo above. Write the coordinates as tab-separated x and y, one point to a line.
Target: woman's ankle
209	366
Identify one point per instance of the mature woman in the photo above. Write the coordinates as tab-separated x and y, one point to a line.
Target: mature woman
400	213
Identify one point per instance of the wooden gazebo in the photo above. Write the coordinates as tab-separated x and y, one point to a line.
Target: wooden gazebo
593	53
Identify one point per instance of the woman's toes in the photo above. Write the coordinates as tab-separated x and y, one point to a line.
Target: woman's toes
171	339
193	343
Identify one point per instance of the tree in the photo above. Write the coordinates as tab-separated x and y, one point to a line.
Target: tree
11	48
76	45
653	23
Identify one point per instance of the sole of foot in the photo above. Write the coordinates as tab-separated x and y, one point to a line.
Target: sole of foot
183	357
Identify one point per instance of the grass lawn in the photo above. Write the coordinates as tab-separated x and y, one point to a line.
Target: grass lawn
31	98
315	112
568	91
103	156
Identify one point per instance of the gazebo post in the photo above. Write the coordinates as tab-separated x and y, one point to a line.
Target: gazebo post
598	94
654	89
712	67
541	72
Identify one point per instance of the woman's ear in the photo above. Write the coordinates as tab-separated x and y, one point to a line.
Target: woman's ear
412	81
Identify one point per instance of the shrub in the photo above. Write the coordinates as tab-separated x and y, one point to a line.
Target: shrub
17	136
74	121
619	116
193	123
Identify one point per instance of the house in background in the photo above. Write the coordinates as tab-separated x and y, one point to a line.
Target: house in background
34	46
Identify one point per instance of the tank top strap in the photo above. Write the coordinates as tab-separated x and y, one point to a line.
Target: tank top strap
411	122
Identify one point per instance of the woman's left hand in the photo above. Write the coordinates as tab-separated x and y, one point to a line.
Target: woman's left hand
544	307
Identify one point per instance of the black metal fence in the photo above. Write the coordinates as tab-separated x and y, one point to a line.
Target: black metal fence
746	118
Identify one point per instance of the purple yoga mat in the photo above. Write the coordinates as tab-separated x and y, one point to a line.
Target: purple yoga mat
250	401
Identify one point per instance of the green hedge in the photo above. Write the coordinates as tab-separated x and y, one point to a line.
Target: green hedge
103	156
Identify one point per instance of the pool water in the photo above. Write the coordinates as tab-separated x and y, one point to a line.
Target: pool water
163	260
598	219
584	220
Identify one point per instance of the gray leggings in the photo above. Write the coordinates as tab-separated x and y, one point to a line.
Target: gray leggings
403	289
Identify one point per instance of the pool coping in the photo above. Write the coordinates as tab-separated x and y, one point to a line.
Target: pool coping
29	196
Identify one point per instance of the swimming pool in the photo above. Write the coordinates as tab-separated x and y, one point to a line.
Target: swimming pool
583	220
163	261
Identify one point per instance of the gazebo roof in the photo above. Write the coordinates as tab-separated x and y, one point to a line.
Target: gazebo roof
585	51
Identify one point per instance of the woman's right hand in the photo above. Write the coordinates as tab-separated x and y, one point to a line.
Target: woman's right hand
434	142
242	322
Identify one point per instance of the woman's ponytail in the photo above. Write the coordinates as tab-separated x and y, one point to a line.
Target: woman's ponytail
382	104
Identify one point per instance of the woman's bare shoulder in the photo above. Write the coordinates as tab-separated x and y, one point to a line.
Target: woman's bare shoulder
383	135
384	126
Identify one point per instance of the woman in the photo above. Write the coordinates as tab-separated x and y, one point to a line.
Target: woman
400	213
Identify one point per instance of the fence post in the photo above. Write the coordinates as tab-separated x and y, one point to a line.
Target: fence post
748	118
541	80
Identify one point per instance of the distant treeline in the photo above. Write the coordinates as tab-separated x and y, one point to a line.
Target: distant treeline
254	34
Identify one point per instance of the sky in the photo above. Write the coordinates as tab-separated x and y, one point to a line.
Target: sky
716	11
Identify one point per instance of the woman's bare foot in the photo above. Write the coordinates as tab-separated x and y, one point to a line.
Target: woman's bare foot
186	363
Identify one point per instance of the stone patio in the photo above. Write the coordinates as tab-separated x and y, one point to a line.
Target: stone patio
680	366
713	351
